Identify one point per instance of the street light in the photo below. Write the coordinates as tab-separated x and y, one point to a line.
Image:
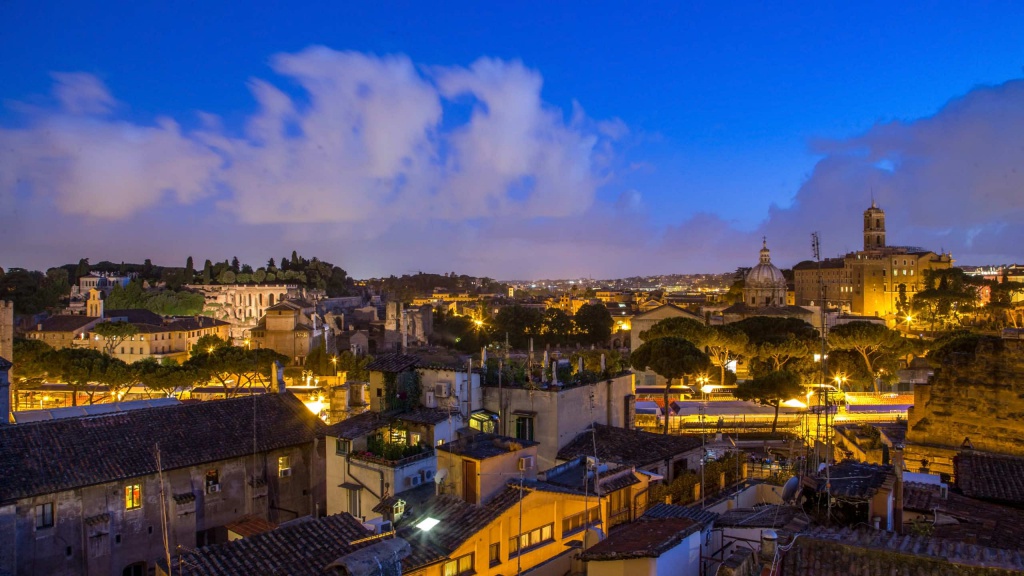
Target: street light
705	388
840	378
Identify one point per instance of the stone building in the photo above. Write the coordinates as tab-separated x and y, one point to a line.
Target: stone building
6	329
873	281
973	401
290	327
92	502
243	305
765	284
156	337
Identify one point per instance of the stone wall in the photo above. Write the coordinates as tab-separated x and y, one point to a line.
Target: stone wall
977	395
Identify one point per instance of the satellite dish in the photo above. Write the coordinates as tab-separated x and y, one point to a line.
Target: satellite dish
441	475
822	467
790	488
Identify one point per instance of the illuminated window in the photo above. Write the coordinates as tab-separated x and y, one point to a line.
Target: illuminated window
530	540
44	515
459	566
494	554
284	467
133	497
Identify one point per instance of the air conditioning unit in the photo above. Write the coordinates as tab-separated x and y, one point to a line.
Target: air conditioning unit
285	472
385	527
415	480
442	389
431	401
428	475
213	488
526	462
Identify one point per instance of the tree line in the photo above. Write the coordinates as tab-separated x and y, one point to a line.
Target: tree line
91	372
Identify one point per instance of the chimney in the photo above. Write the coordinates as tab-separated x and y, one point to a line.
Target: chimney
277	371
5	393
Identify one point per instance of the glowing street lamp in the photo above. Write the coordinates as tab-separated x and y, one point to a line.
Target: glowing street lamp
840	379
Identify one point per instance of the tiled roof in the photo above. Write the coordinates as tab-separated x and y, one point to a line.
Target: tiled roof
299	549
195	323
965	519
5	364
748	310
645	538
250	525
357	426
852	479
461	520
951	551
51	456
622	446
990	477
571	475
135	316
422	415
393	363
483	446
662	510
768	516
65	323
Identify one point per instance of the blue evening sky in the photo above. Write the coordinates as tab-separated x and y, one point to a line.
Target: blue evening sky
724	102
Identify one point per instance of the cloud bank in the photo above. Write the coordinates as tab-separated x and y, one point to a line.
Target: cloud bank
386	166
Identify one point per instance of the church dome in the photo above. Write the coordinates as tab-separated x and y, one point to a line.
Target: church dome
765	274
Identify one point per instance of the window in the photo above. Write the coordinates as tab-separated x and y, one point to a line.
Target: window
284	465
212	481
576	522
458	566
524	427
44	515
494	554
342	447
133	497
532	539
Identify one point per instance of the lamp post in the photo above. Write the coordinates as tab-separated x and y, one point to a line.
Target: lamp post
840	378
705	389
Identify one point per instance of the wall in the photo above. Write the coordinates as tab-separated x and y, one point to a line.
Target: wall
94	533
979	397
811	557
343	468
563	413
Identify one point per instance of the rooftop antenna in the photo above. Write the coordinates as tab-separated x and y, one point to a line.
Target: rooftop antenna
824	407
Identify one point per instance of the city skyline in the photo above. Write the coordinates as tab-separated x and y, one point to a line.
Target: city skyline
562	143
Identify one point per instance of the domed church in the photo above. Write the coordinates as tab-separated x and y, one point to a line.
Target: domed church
764	285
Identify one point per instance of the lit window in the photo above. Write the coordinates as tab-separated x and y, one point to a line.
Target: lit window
459	566
494	554
284	465
44	515
133	497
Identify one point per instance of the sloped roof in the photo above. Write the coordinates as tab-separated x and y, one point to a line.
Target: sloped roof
663	510
423	415
852	479
357	426
196	323
65	323
990	476
628	447
461	520
300	549
645	538
51	456
393	363
135	316
965	519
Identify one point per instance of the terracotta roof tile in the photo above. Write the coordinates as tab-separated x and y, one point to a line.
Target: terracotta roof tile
990	477
357	426
662	510
55	455
393	363
482	446
620	445
965	519
302	548
645	538
65	323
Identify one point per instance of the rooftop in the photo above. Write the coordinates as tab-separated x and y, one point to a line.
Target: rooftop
482	446
990	477
393	363
851	479
302	548
55	455
620	445
663	510
957	517
645	538
357	426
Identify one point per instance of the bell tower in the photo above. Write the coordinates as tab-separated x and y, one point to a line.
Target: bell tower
874	228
